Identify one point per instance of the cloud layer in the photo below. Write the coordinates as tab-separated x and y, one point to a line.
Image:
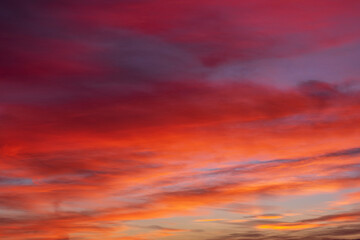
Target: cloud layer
153	119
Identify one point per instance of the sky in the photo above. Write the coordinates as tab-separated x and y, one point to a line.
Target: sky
180	120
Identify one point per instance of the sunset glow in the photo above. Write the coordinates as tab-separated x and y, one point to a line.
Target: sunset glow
180	120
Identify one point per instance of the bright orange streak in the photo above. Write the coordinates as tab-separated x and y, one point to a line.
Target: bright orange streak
208	220
269	217
287	226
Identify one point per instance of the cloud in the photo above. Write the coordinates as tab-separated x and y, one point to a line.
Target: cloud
269	216
287	226
208	220
341	217
119	114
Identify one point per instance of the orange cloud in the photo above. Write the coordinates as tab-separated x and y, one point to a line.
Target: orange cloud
269	217
285	226
209	220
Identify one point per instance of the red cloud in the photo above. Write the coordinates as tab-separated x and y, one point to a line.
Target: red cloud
109	113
